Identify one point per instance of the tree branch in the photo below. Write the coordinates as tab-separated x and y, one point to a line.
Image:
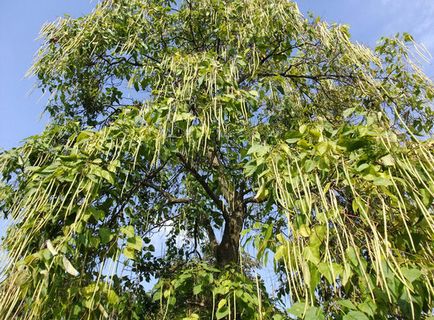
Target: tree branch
172	199
210	232
199	178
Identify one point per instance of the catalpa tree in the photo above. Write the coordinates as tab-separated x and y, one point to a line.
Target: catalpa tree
222	127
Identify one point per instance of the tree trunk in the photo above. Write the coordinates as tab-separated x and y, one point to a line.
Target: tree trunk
228	251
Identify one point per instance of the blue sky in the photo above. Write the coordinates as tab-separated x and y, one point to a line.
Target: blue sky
20	21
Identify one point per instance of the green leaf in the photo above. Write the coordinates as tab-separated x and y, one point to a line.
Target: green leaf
355	315
46	255
312	254
222	312
347	304
136	86
351	254
324	269
184	116
315	277
368	307
298	309
98	214
129	253
330	272
222	309
292	140
113	165
362	167
304	231
84	135
94	242
259	149
380	181
347	273
197	289
318	235
388	161
112	297
222	303
310	165
314	313
135	243
348	112
128	231
100	172
322	147
254	93
411	274
427	198
105	235
107	175
90	290
281	252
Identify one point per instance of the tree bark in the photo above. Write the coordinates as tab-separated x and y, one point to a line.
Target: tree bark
228	251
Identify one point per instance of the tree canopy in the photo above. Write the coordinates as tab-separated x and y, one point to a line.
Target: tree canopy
186	135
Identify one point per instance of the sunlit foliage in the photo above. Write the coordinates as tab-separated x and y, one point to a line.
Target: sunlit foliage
221	126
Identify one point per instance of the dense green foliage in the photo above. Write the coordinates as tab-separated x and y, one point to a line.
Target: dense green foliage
222	127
